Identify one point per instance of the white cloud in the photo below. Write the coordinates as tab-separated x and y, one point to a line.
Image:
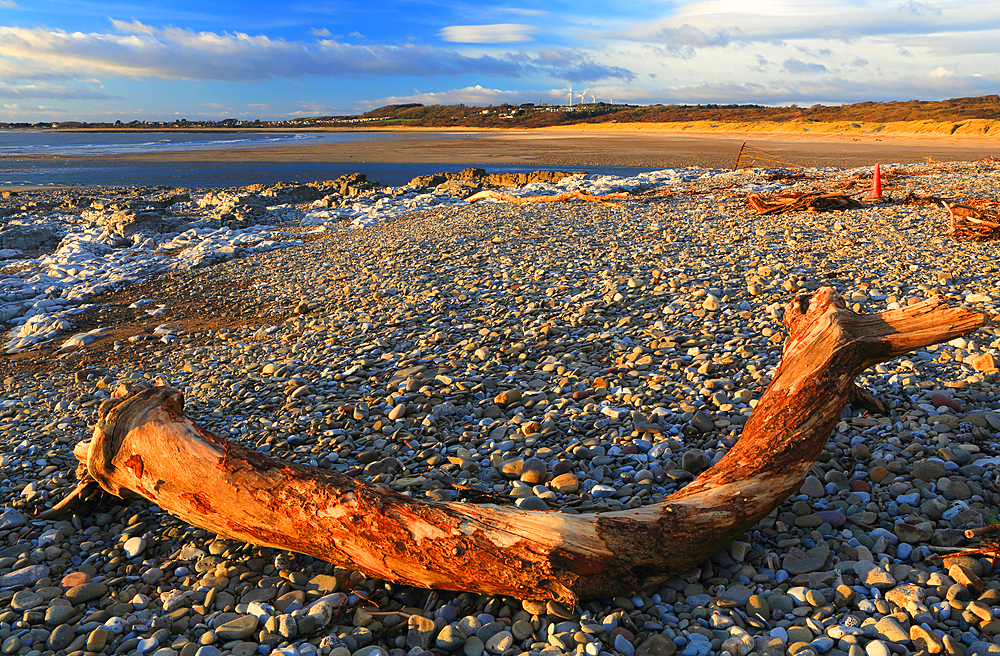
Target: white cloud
681	52
496	33
523	12
30	113
968	42
475	95
798	67
8	4
50	92
171	53
715	23
134	27
919	8
827	89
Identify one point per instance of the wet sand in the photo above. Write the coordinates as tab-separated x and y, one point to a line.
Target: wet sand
564	147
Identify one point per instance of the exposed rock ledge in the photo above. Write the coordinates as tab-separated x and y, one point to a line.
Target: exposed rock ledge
480	178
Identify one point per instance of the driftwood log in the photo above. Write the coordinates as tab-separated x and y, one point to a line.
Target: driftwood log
802	201
145	444
972	223
489	194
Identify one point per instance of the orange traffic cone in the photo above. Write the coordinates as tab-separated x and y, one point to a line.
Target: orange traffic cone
876	192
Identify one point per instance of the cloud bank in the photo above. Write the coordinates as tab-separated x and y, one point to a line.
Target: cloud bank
687	51
141	51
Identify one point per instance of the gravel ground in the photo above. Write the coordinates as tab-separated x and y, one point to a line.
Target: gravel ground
575	357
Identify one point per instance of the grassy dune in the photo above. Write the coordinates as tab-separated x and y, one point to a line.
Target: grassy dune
963	128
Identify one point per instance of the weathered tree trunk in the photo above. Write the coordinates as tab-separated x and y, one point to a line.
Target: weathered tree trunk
145	444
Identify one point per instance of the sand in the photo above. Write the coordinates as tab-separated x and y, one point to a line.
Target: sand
623	146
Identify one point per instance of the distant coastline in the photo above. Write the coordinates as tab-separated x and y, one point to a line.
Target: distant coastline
979	128
976	116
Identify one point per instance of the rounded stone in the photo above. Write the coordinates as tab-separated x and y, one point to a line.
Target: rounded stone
11	645
97	639
656	645
86	592
56	615
74	579
238	629
450	638
26	600
473	647
877	648
134	546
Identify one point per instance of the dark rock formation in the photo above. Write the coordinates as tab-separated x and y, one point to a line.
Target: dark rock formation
480	179
28	239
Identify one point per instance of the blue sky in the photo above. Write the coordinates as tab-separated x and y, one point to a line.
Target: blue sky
211	59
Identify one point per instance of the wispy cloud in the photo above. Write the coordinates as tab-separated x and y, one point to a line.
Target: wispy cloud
716	23
141	51
475	95
919	8
496	33
326	57
827	88
524	12
15	111
132	27
799	67
50	92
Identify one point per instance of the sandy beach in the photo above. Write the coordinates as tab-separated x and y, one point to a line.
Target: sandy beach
604	147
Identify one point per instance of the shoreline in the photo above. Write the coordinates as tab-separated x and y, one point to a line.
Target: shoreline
574	146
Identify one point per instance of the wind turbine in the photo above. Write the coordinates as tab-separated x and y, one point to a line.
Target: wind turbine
583	96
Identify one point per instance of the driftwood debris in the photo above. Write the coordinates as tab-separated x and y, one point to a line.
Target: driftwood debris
144	444
751	157
489	194
971	223
802	201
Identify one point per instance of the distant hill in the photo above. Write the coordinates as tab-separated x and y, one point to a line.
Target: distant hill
499	116
866	115
957	116
983	107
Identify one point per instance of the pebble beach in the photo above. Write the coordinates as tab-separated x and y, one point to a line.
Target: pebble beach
570	357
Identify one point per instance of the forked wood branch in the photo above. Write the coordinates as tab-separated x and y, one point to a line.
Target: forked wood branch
145	444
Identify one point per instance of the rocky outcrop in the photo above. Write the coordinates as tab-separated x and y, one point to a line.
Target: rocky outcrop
354	184
290	194
479	178
260	204
126	223
27	239
255	205
137	200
